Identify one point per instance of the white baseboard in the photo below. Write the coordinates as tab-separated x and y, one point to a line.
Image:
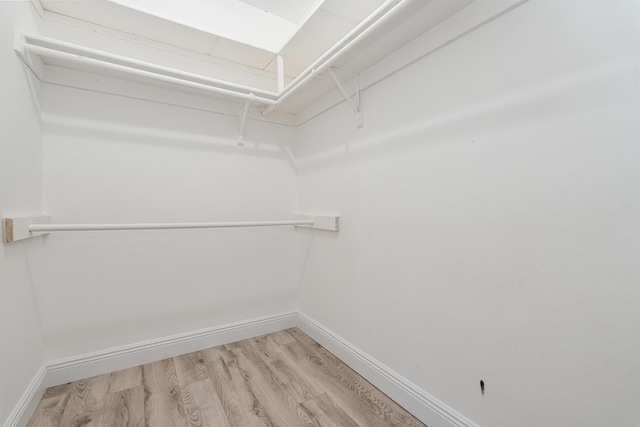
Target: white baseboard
418	402
27	404
98	363
421	404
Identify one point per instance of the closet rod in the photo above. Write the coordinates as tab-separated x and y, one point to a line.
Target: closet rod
25	227
162	226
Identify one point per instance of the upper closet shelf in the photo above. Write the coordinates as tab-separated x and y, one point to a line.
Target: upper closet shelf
76	56
37	50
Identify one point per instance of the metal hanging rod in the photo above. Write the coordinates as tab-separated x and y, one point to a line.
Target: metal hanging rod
161	225
20	228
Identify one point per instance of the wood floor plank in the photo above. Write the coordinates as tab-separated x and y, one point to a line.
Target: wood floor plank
191	368
282	337
328	412
393	413
240	404
359	398
163	403
290	378
280	407
58	390
49	411
124	408
266	346
86	403
202	406
124	379
385	407
354	405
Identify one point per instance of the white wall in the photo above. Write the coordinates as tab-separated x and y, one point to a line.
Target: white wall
115	159
22	348
489	218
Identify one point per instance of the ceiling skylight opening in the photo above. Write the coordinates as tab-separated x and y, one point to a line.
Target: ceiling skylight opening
264	24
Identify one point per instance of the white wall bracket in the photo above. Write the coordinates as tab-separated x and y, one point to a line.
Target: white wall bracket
21	228
321	222
14	229
242	121
353	102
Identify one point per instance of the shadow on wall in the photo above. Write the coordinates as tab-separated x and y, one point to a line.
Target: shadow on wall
496	111
149	326
305	243
262	140
35	89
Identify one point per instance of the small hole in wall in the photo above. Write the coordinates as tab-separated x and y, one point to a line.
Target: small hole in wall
482	386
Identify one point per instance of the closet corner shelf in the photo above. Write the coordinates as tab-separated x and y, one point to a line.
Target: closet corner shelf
35	49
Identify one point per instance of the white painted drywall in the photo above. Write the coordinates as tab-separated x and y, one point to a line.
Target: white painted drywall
114	159
490	218
22	348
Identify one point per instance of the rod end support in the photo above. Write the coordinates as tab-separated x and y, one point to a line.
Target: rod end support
17	228
321	222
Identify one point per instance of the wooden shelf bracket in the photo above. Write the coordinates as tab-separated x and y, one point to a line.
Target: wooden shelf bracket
14	229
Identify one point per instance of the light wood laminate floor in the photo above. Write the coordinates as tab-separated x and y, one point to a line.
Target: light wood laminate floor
280	379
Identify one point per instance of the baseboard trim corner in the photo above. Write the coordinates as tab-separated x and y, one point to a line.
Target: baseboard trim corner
28	402
417	401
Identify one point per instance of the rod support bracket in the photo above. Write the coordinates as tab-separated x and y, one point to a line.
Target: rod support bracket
17	228
242	119
321	222
354	101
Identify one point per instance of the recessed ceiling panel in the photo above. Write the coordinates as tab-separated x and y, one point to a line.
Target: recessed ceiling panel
231	19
